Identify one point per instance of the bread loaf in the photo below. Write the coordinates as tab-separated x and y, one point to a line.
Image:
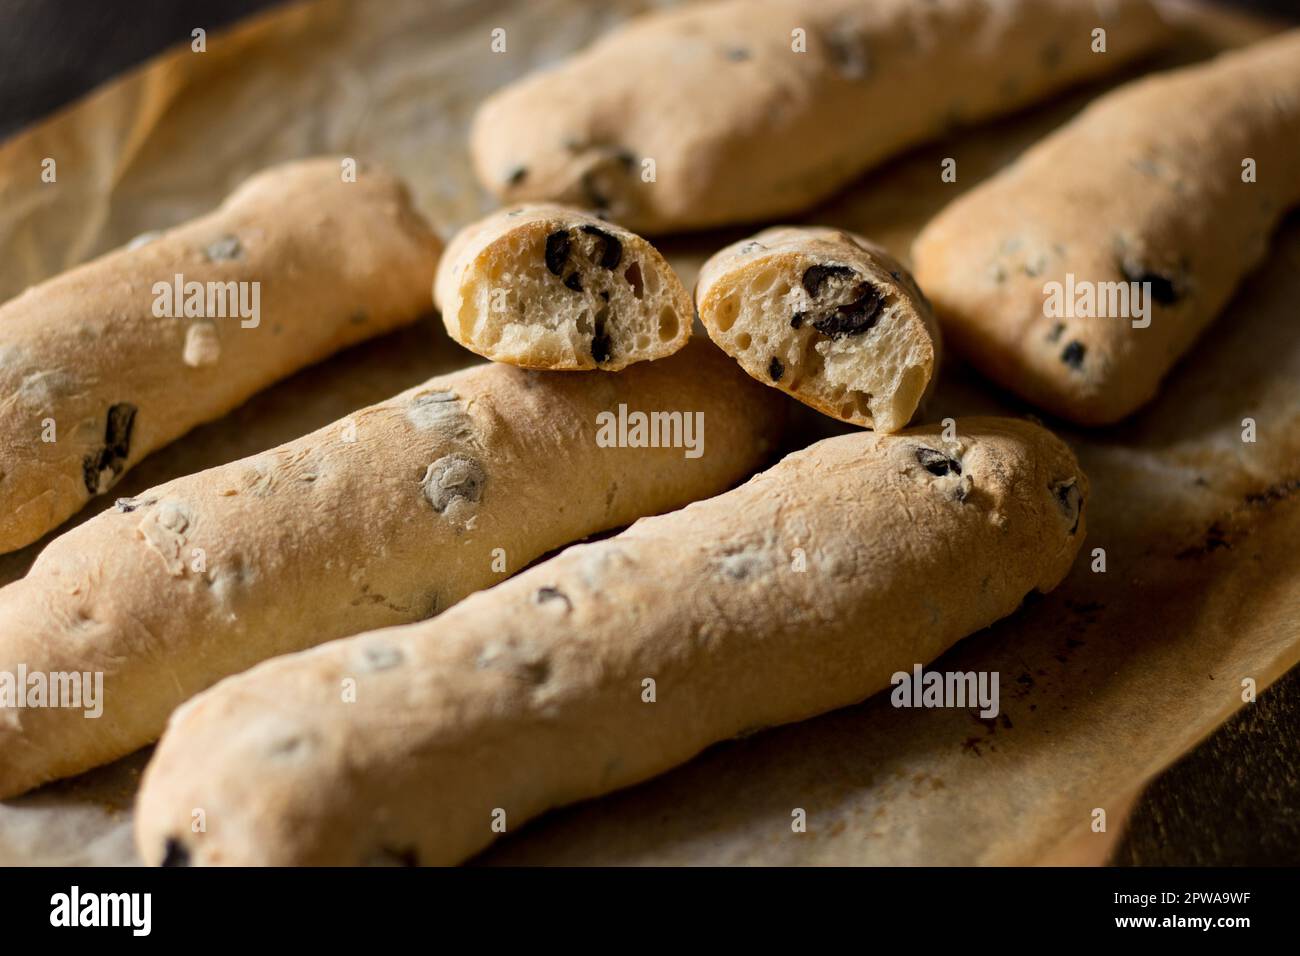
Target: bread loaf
116	358
1080	274
741	110
384	518
799	592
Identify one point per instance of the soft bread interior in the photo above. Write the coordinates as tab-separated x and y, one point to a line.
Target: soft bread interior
571	295
856	350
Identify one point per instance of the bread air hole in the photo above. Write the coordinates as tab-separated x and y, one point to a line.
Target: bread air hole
855	404
669	324
764	281
743	341
727	312
650	279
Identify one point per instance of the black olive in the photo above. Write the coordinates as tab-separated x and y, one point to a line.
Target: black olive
1163	289
117	448
557	251
601	346
853	318
1072	354
814	277
1070	499
611	253
175	853
937	463
553	594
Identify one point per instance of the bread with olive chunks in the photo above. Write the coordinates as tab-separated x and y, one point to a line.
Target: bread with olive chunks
825	316
102	365
386	517
801	591
744	110
548	287
1153	203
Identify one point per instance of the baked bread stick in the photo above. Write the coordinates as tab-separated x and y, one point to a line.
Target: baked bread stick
1081	273
743	110
797	593
384	518
107	362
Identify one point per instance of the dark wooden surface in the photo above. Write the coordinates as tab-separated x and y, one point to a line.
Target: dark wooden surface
52	51
1233	800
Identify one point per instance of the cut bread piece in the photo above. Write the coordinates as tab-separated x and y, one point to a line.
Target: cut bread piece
827	317
550	287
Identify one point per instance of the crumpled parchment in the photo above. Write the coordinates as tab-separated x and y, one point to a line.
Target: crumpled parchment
1105	682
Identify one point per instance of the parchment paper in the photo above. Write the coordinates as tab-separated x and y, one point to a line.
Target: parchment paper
1104	682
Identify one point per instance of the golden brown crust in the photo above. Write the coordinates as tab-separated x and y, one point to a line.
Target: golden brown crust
383	518
799	592
87	360
755	109
1145	186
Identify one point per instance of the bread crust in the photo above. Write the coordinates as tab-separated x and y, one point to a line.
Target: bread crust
551	287
741	127
825	316
1146	185
324	537
87	355
532	695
